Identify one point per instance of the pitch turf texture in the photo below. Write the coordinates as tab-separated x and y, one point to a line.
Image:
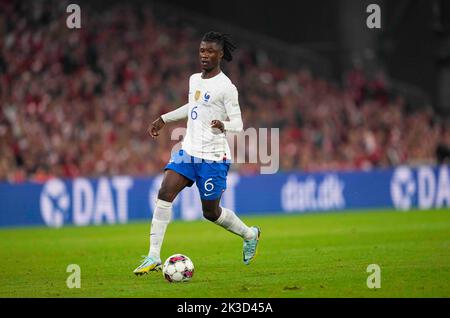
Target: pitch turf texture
309	255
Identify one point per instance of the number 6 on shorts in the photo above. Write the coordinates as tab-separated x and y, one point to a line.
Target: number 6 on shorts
209	186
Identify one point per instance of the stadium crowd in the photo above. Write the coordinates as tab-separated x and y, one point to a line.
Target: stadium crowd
78	102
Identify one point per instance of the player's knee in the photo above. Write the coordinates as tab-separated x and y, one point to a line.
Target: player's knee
211	214
166	194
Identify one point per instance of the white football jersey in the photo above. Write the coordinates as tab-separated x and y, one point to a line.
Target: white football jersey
209	99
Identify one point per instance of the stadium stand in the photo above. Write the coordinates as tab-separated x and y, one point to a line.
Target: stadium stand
78	103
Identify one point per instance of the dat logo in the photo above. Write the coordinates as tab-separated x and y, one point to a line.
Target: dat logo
425	187
54	202
403	188
85	201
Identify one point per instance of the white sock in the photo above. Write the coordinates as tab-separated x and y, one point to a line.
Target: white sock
229	220
161	218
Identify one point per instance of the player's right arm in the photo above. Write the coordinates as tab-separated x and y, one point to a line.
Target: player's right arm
175	115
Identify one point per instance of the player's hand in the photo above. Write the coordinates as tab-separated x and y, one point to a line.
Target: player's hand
155	127
217	124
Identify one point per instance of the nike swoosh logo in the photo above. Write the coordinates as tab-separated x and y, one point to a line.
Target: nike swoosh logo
207	195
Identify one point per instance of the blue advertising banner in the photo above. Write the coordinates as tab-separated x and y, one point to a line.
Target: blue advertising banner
118	199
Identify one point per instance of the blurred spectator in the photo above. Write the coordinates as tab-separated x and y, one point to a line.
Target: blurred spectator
443	147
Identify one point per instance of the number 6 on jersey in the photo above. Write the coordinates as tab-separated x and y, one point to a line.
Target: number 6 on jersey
194	113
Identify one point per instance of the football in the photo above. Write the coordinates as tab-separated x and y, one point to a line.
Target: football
178	268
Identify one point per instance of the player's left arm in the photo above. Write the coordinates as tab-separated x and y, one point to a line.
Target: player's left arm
233	110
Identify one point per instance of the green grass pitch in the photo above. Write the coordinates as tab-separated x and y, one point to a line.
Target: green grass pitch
309	255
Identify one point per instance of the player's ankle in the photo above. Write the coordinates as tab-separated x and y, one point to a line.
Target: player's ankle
250	235
155	256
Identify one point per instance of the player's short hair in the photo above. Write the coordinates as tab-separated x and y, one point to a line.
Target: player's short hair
224	40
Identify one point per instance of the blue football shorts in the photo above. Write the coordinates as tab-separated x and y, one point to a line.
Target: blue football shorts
210	176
